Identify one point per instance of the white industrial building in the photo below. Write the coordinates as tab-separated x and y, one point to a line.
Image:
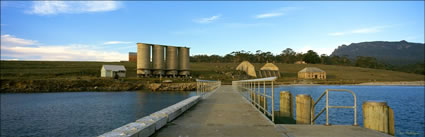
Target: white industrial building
112	71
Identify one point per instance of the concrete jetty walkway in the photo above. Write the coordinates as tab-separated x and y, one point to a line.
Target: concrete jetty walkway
223	114
227	114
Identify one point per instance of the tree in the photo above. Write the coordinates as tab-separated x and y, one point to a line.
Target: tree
325	59
288	56
366	62
311	57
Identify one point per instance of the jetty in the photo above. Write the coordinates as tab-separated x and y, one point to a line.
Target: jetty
223	111
227	114
224	114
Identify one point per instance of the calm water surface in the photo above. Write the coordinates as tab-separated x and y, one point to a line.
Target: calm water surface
78	113
93	113
406	101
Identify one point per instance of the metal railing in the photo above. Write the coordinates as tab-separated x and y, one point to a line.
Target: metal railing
203	86
313	118
254	88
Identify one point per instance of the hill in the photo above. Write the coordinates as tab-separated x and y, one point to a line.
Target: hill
68	70
394	53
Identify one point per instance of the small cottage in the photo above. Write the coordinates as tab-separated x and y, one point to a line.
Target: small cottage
312	73
300	62
268	70
248	68
113	71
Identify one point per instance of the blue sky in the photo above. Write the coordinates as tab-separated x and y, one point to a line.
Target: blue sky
108	30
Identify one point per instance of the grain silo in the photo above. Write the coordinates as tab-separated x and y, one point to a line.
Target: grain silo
158	60
171	60
132	57
184	61
143	59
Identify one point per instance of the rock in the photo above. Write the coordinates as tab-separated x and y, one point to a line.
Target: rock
167	81
172	86
154	86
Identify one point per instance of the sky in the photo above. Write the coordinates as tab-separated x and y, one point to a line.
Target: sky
108	30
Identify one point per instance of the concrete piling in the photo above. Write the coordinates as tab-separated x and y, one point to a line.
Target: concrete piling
259	100
252	97
263	101
285	108
377	115
303	108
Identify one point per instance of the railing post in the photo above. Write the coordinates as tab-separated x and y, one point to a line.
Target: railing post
197	88
272	102
327	107
259	96
264	96
355	110
255	94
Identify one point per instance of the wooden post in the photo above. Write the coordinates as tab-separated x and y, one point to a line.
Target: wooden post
377	115
286	104
252	97
303	108
263	102
258	100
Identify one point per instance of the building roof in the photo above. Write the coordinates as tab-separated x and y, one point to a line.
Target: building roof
114	67
269	66
132	53
248	68
311	69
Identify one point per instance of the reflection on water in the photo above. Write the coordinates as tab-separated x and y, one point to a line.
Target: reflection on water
78	113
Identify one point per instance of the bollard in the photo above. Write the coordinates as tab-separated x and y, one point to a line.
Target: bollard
303	108
377	115
286	109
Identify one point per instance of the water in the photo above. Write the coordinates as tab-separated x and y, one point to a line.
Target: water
78	113
406	101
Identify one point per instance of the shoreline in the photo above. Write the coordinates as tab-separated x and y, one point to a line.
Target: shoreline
396	83
88	85
109	85
392	83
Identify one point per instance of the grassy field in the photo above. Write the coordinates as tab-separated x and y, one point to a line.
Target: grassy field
33	70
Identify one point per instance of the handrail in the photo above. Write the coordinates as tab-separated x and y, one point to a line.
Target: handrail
203	86
313	118
254	87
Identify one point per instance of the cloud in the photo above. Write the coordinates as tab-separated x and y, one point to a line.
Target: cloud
20	49
359	31
276	13
208	19
319	50
12	40
268	15
59	7
246	25
116	42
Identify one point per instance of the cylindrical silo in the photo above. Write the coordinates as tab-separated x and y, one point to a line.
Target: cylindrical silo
143	59
158	59
171	60
184	61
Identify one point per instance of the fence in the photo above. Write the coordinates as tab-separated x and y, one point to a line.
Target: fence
256	95
313	118
203	86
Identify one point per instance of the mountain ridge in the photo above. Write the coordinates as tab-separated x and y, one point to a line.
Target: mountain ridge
390	52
